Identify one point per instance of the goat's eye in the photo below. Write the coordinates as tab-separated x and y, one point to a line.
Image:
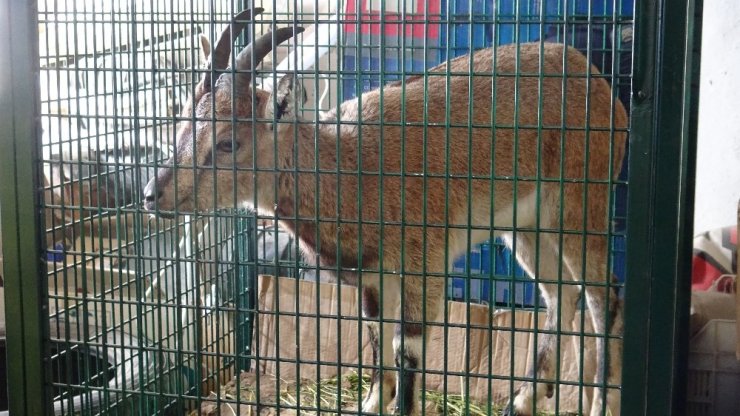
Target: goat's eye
228	146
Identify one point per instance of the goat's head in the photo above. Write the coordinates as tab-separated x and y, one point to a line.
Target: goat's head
221	125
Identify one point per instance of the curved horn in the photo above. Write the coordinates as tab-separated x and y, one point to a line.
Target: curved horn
219	58
256	52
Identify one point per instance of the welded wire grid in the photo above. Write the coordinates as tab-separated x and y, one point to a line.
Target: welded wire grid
152	316
125	290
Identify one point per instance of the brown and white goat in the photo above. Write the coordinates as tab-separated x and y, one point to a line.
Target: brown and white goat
404	185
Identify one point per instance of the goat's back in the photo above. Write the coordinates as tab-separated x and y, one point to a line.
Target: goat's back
523	101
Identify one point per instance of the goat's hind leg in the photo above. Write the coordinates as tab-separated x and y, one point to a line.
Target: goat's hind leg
608	323
561	303
606	315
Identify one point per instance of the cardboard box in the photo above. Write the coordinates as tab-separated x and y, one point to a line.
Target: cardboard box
289	344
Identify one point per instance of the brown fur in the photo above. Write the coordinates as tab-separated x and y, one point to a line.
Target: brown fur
427	184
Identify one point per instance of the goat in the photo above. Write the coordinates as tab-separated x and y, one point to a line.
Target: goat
454	157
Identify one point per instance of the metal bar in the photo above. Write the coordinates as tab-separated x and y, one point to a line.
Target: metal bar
25	303
659	208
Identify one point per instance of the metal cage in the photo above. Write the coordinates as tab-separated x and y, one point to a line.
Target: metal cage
111	310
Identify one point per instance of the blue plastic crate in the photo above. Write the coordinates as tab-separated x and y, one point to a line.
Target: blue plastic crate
557	8
471	26
490	264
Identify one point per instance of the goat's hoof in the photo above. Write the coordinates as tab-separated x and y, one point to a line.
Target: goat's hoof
509	410
550	391
409	412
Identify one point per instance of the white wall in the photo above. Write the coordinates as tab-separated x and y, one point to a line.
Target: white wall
718	155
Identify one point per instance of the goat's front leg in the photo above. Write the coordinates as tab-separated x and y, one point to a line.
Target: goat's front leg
419	295
382	385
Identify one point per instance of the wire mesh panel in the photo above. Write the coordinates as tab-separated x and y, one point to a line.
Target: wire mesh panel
126	289
328	207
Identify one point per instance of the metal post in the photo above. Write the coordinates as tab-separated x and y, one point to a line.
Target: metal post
660	207
25	304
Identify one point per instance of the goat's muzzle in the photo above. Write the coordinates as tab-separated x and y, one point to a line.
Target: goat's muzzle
153	194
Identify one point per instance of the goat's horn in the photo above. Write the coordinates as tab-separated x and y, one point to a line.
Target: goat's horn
257	50
219	58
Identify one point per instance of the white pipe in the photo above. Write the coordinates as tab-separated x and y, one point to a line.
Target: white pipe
322	38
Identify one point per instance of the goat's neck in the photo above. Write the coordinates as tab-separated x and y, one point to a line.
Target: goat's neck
291	185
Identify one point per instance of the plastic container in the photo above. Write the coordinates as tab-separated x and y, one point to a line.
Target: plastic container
89	367
491	264
714	371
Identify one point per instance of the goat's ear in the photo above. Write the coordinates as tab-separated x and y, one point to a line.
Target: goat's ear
286	96
205	47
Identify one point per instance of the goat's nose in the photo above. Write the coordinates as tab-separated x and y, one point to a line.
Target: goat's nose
150	195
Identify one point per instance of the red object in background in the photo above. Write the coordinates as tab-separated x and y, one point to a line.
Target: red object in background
715	260
416	19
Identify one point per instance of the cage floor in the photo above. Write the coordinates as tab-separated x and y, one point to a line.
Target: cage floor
329	396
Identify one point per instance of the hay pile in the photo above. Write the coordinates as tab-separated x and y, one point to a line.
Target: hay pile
327	397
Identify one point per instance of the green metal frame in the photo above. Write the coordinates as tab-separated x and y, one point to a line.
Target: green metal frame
25	304
246	291
660	210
